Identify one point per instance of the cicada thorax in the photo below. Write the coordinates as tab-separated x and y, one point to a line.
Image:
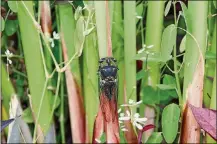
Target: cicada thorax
108	87
108	75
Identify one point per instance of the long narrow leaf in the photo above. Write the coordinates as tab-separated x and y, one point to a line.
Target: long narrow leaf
76	107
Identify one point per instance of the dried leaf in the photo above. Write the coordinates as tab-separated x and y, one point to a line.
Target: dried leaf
206	118
190	132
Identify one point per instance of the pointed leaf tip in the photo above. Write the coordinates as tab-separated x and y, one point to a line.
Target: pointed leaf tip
5	123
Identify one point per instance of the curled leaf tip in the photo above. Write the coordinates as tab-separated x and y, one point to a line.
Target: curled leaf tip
145	128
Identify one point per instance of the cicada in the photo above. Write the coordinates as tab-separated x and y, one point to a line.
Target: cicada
108	80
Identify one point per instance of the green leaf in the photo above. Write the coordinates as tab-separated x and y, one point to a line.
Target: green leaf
57	101
170	122
2	24
182	45
19	85
103	138
214	3
210	55
77	12
185	13
169	80
11	27
88	31
165	87
167	90
122	137
27	115
156	137
13	6
79	34
150	95
164	95
168	41
167	9
78	3
141	74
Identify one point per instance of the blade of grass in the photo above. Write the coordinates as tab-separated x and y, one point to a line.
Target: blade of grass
193	70
118	47
154	27
46	25
62	115
130	48
209	71
209	139
33	60
211	66
101	27
90	81
129	62
6	87
67	29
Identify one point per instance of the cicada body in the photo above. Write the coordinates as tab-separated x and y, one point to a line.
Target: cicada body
108	80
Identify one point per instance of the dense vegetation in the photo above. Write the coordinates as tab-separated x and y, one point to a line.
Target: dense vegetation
165	52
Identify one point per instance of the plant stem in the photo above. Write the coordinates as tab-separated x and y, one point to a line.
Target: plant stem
152	37
209	71
194	59
118	47
100	8
175	60
212	67
62	116
130	48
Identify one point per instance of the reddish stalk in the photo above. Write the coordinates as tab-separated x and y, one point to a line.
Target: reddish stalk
76	107
46	23
107	117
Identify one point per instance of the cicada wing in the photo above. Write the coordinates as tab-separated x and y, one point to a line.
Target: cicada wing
113	104
109	107
105	107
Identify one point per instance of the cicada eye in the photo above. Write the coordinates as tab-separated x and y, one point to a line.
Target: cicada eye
113	59
101	60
